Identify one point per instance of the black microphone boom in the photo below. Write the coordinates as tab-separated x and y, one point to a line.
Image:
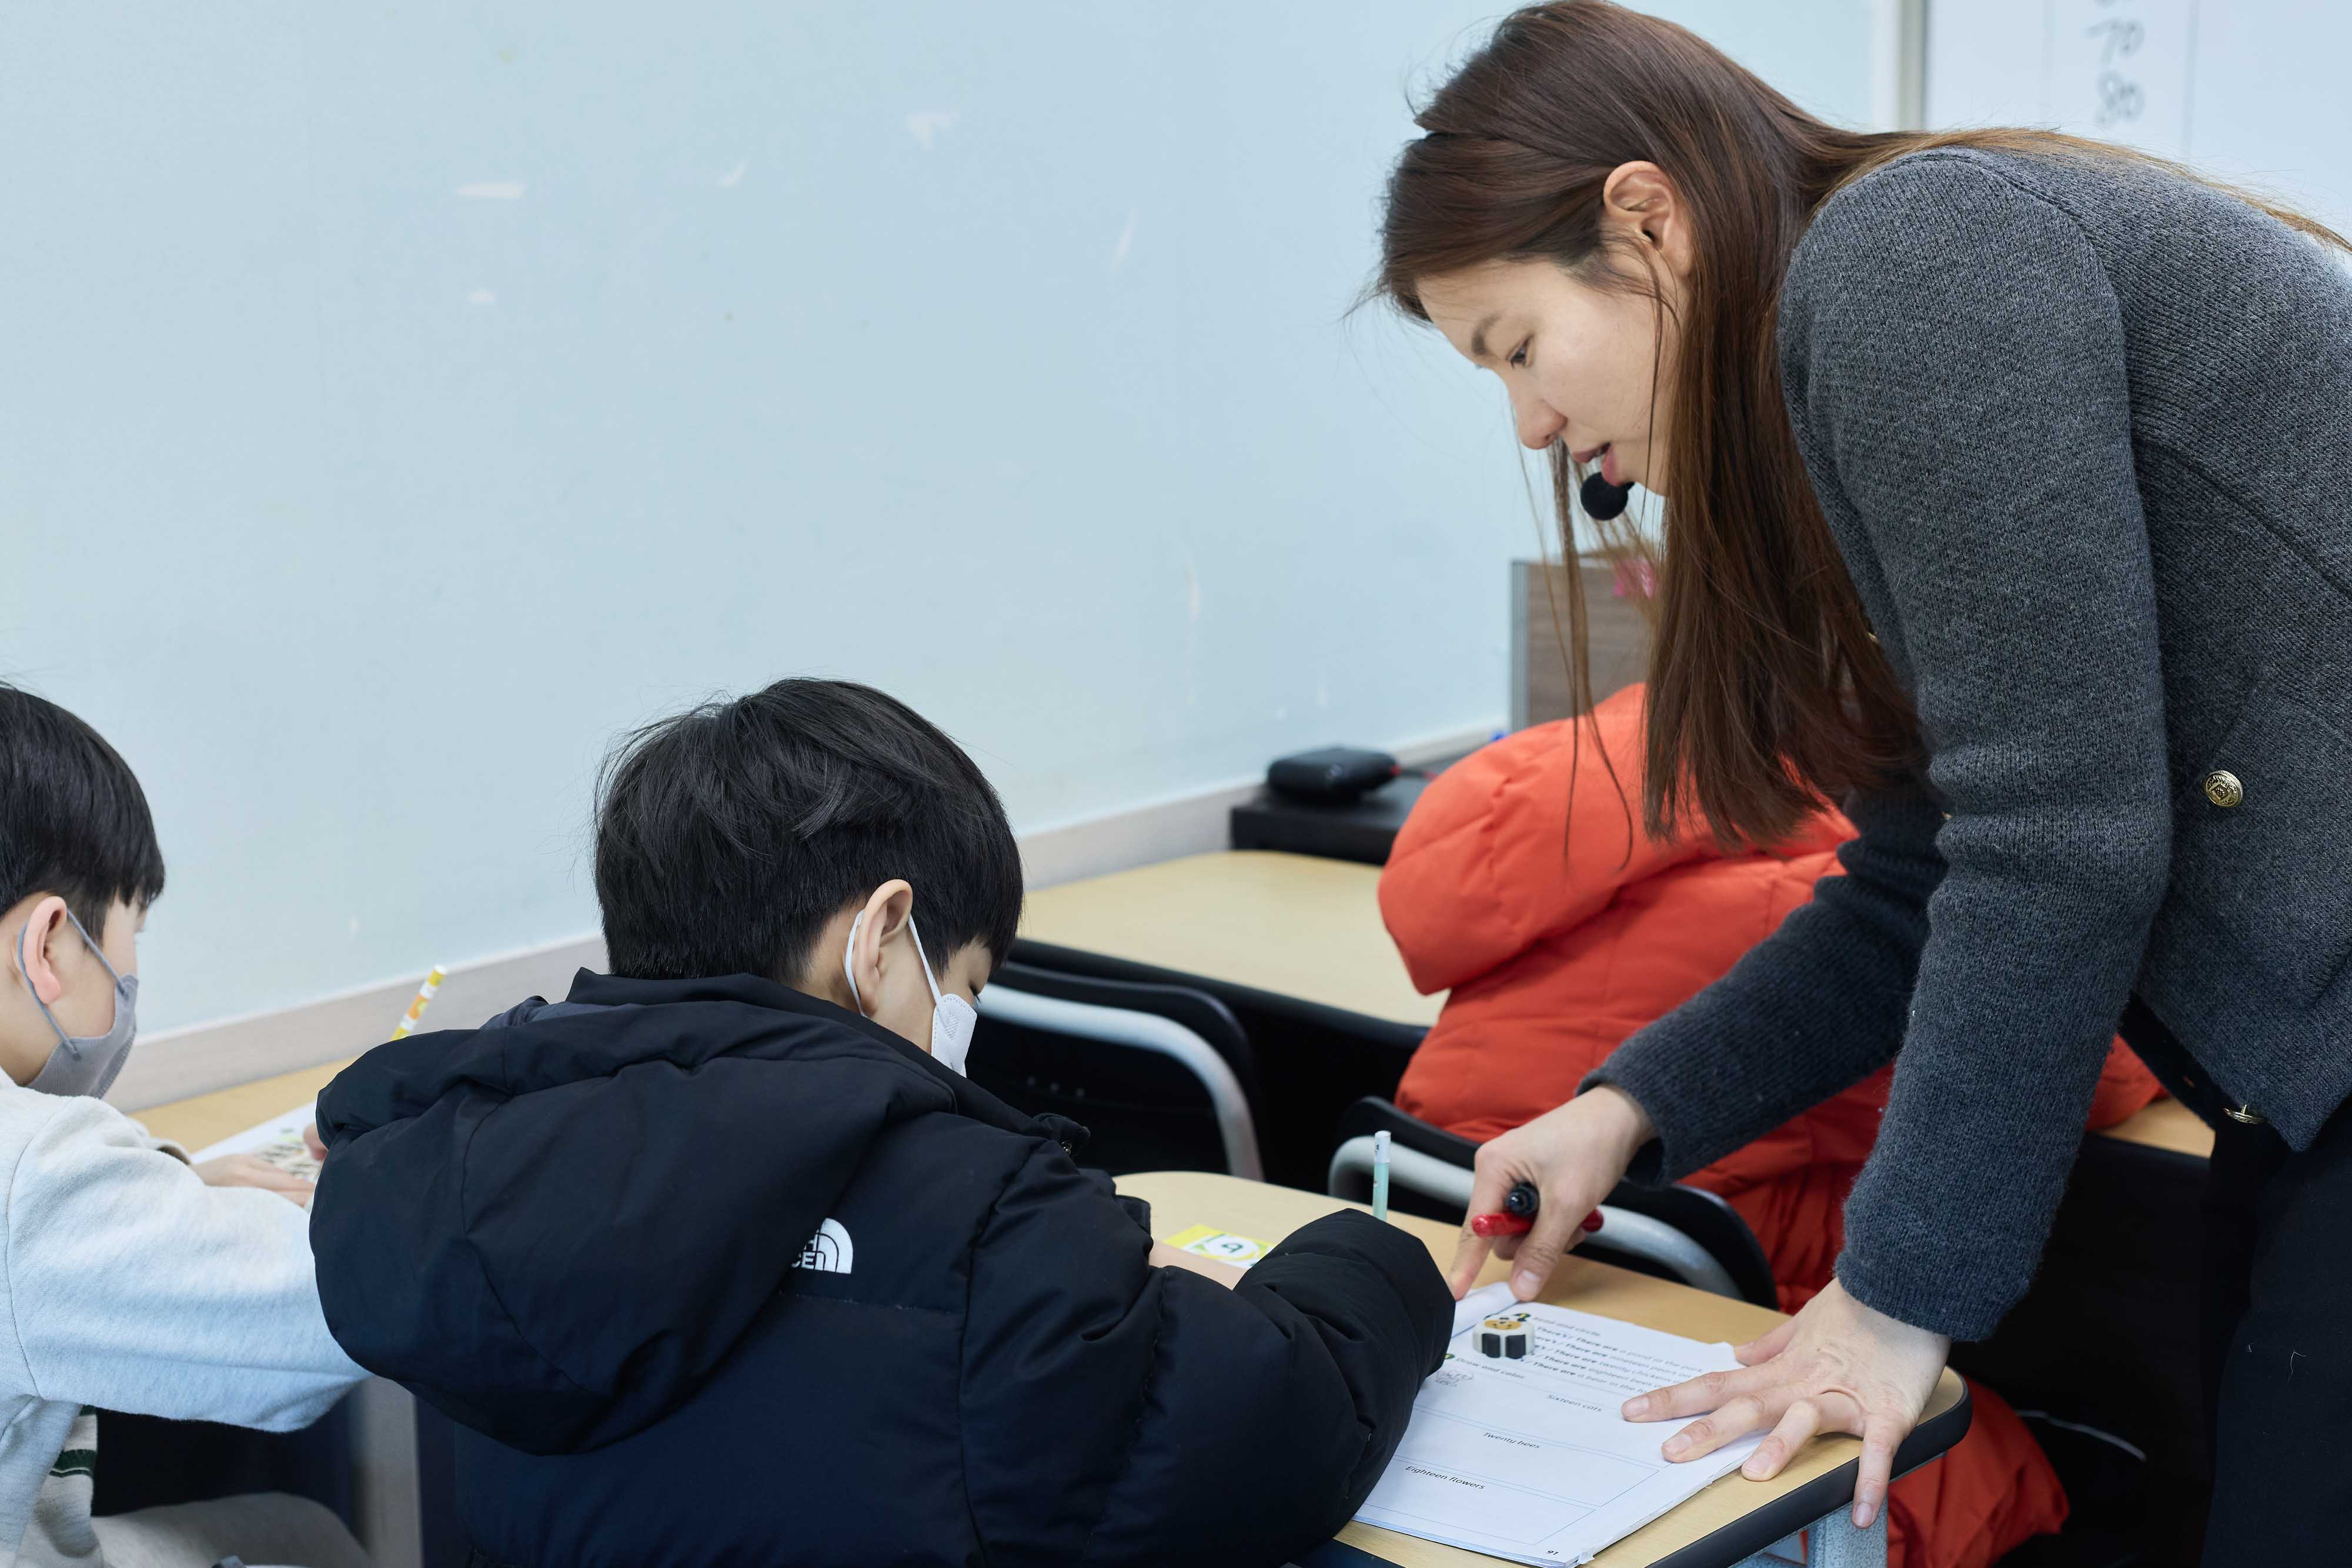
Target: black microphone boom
1603	501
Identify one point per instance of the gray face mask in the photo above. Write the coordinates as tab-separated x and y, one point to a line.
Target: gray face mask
86	1065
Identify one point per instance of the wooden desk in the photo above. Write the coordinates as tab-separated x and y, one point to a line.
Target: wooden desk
2167	1125
1182	1198
1298	926
205	1119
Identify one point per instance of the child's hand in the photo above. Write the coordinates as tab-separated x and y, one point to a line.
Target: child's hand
250	1170
1166	1257
310	1141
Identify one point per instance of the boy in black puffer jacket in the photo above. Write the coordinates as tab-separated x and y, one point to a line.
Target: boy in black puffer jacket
713	1266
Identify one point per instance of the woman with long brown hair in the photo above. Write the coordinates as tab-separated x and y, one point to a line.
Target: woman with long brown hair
2003	483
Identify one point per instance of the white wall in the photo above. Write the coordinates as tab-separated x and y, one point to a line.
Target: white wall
2249	90
395	402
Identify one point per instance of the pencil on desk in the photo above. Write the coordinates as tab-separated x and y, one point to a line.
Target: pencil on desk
1381	1174
416	1008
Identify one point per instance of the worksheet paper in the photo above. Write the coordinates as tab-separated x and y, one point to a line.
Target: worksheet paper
279	1142
1524	1456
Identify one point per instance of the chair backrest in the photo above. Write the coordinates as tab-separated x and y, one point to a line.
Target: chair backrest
1675	1232
1312	1060
1162	1076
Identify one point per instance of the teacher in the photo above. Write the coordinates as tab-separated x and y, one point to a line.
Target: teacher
2007	500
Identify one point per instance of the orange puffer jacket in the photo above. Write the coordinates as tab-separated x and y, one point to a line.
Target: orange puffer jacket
1561	929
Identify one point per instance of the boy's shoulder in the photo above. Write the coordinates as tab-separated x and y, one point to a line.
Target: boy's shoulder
968	1165
60	1148
46	1128
943	1209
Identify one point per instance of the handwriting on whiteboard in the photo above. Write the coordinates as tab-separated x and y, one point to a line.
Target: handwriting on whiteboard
2120	70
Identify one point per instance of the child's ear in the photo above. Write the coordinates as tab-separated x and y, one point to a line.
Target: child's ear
43	928
878	923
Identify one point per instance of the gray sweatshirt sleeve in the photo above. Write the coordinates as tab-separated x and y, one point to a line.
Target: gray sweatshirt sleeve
1957	378
132	1286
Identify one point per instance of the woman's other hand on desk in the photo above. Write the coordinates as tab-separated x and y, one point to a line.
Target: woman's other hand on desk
251	1170
1836	1366
1575	1156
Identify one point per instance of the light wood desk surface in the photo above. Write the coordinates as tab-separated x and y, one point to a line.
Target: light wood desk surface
1303	926
1182	1198
1298	926
1295	924
205	1119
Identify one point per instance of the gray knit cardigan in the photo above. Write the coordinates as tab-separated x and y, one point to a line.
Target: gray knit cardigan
2083	431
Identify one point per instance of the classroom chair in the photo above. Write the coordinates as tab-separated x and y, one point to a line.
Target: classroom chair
1312	1060
2106	1353
153	1462
1162	1076
1678	1233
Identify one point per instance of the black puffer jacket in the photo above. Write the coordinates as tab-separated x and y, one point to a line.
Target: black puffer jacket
714	1272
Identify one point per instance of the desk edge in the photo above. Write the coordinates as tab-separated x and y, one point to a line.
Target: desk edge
1799	1509
1759	1527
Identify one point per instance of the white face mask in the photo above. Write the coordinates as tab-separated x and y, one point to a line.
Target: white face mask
953	1017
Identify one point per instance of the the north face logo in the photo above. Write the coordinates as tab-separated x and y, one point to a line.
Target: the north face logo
828	1251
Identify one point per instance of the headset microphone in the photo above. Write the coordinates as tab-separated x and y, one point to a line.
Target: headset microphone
1603	501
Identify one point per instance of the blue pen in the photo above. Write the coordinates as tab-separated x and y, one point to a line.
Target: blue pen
1379	1175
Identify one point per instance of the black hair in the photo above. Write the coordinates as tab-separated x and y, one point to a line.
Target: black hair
73	821
729	836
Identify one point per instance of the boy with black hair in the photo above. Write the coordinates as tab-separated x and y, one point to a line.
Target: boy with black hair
132	1282
721	1260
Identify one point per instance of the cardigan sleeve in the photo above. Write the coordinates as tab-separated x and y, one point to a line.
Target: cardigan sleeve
1956	372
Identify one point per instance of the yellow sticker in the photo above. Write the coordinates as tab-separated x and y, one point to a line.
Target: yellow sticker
1223	1245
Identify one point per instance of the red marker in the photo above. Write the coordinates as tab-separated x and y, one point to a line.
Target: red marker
1519	1224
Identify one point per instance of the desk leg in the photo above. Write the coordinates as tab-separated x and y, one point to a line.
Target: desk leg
384	1478
1832	1541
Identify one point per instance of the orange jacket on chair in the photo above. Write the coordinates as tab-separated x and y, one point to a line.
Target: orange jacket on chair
1560	929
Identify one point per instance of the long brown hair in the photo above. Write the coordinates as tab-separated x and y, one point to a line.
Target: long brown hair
1767	693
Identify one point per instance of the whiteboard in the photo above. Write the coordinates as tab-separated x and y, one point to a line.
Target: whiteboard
2249	90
